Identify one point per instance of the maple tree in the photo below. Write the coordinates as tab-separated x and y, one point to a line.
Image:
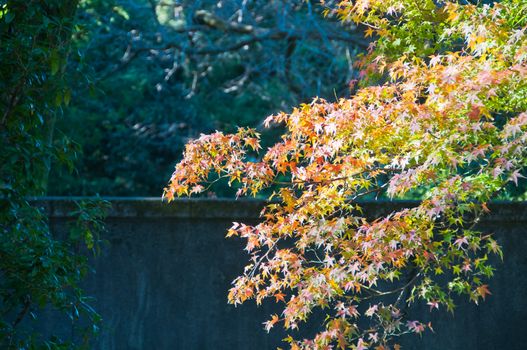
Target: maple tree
440	108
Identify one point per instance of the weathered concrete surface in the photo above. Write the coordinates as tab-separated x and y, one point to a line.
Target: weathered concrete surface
162	281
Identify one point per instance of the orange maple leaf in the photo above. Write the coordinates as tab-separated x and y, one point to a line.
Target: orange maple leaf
279	296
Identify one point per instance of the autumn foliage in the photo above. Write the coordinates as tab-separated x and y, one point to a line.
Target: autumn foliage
441	110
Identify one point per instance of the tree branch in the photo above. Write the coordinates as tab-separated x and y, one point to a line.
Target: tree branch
262	35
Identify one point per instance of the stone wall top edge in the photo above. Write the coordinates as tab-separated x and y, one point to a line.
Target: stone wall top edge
229	208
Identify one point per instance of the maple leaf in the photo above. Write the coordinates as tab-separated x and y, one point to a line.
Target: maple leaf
253	142
374	337
483	291
497	171
515	176
371	310
369	32
415	326
433	305
434	60
361	345
269	324
460	241
196	189
279	297
169	195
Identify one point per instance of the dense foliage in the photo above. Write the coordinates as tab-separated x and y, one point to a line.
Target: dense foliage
162	72
37	270
441	109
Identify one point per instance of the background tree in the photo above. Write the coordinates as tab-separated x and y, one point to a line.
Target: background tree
162	72
441	109
36	269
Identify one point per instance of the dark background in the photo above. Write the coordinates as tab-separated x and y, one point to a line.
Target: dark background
146	76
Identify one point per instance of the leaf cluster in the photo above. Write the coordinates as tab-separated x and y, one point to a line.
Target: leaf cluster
440	111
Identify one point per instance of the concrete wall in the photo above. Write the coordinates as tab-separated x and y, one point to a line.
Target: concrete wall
162	281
